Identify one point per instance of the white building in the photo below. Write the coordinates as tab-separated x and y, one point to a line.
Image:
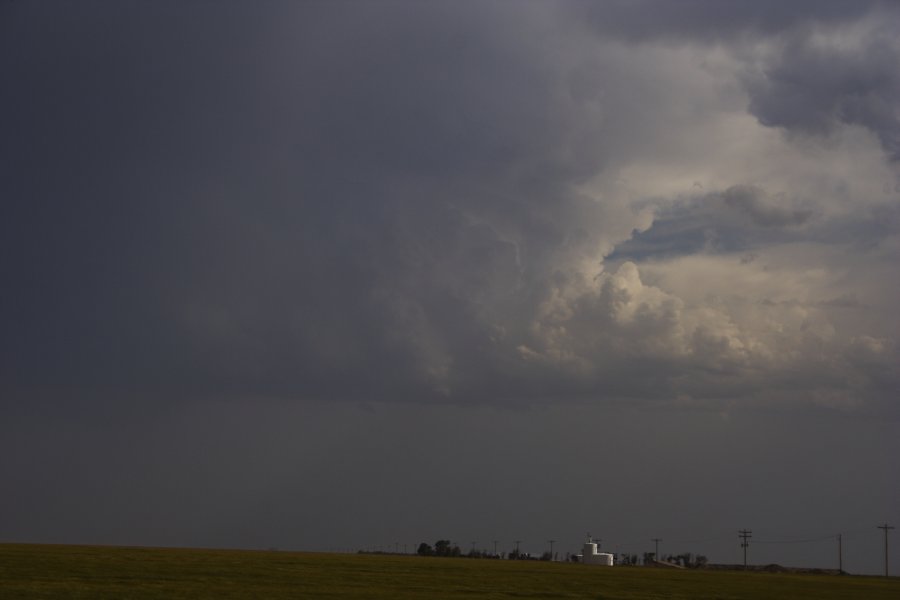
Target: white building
590	556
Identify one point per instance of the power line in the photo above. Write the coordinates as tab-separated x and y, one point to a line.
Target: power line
718	538
803	541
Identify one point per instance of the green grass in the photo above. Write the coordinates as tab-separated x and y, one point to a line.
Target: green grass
37	571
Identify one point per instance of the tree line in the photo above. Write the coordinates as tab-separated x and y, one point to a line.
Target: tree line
685	559
447	548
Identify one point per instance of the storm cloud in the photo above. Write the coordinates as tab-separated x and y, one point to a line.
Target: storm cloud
409	202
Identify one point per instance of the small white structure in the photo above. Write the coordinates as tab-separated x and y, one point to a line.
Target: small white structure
590	556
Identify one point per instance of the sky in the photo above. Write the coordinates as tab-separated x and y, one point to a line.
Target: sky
358	275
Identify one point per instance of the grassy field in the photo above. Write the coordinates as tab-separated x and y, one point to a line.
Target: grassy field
38	571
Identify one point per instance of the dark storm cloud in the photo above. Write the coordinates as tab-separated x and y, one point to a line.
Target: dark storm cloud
811	87
737	219
710	20
233	208
381	201
804	85
117	120
752	202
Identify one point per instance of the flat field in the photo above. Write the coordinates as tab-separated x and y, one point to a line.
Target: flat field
97	572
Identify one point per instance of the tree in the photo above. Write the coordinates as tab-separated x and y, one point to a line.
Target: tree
425	550
628	559
446	548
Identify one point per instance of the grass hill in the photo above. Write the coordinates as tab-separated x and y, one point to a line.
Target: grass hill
92	572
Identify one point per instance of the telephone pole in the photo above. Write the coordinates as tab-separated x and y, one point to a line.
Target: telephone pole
886	528
745	534
656	541
551	549
495	547
517	548
840	557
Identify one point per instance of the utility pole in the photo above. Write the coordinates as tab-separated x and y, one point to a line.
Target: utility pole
551	550
886	528
495	547
745	534
656	541
840	557
517	548
473	547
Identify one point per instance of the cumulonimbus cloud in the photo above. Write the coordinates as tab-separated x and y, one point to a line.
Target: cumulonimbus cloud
445	203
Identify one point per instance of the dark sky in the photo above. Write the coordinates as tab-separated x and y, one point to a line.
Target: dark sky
332	275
